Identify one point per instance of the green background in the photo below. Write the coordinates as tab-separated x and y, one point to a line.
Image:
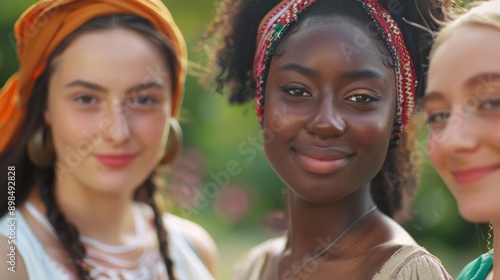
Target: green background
224	181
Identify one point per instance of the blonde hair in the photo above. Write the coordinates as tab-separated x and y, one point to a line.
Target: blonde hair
484	13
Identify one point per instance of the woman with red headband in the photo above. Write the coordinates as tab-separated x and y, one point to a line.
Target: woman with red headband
85	124
334	84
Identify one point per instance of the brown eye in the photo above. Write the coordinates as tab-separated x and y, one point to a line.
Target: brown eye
86	99
438	119
296	91
363	98
143	100
491	104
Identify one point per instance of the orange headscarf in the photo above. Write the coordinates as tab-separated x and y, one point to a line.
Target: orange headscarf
47	23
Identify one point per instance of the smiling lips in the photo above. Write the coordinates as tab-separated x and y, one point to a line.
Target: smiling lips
116	160
322	162
472	175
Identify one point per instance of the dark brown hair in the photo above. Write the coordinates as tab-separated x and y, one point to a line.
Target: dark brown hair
17	154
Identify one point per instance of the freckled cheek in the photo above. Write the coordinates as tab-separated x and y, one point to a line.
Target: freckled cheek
494	137
74	130
433	149
438	159
151	131
436	151
435	158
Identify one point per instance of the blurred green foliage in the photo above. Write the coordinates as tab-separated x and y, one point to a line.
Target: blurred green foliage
226	141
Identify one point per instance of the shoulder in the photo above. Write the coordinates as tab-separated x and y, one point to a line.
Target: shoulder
24	252
413	262
266	248
251	264
11	263
197	237
478	268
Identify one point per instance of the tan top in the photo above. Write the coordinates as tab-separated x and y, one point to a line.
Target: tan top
409	262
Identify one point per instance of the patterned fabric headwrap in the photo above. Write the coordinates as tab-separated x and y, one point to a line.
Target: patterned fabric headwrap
274	25
47	23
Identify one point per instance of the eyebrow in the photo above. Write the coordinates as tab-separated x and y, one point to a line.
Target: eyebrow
362	74
483	78
96	87
349	75
432	96
85	84
145	86
300	69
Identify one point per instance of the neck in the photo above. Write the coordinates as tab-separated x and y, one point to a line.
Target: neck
315	226
106	217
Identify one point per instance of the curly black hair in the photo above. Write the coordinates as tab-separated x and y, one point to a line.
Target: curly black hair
231	45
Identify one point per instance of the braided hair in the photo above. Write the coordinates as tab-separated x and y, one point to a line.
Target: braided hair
161	232
231	45
17	156
69	236
66	232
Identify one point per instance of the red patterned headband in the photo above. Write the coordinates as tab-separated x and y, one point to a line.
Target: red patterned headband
277	21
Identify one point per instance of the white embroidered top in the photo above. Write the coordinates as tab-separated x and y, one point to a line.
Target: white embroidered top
41	266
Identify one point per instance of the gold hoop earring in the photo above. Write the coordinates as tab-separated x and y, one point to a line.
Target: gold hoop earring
174	144
41	148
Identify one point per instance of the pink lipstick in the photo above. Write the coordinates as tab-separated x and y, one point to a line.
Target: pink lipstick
320	165
116	160
469	176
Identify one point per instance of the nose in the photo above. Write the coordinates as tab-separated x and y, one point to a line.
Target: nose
458	136
326	121
119	132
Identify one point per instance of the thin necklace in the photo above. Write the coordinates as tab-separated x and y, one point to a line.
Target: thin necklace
331	244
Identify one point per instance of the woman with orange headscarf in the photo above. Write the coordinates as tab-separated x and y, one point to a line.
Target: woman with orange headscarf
85	125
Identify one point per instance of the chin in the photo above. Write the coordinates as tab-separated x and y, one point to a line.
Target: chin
320	192
118	184
476	212
320	198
